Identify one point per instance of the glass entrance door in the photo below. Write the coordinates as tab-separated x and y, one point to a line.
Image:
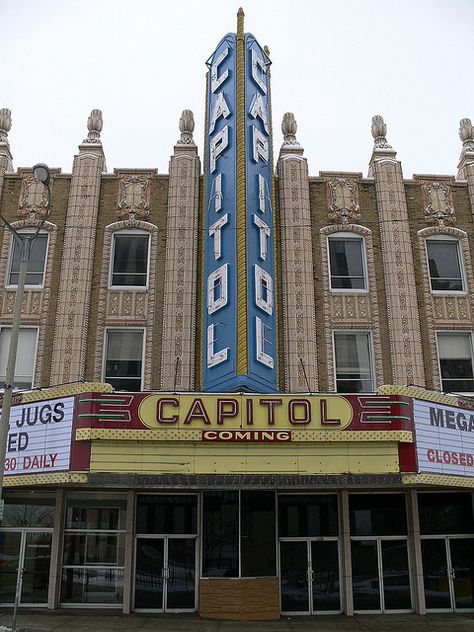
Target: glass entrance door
448	569
309	576
380	574
29	551
165	575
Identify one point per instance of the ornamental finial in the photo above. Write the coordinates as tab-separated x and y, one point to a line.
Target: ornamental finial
5	124
289	127
94	125
466	133
379	132
240	22
186	127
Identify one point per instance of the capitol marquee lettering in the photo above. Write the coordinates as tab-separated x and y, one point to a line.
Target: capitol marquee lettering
298	412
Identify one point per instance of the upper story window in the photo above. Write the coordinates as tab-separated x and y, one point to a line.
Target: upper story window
455	361
25	357
353	362
347	262
129	266
36	265
445	264
124	359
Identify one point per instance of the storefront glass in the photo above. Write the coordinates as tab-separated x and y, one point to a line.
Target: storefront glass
25	549
93	551
380	565
447	547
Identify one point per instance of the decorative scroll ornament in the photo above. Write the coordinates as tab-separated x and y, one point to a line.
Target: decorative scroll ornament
438	209
133	197
379	133
466	134
186	127
343	208
94	125
289	127
5	124
34	199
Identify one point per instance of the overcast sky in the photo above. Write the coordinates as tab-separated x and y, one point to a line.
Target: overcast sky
335	64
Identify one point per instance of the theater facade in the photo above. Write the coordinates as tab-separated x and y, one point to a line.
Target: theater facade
243	391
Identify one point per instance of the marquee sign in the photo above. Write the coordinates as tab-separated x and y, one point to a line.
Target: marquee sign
39	437
239	350
444	438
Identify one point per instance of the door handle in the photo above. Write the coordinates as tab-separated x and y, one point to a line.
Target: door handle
310	575
452	572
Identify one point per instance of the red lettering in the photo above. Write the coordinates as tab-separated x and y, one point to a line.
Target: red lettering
197	412
223	414
300	403
161	403
431	455
325	421
271	403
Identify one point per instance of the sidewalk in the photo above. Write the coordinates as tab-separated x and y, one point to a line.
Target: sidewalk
96	621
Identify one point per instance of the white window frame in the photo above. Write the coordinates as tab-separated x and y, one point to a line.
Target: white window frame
104	352
442	237
28	286
467	332
35	355
349	236
371	356
131	232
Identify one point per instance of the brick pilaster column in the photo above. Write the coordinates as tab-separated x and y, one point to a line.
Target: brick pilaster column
466	160
72	315
299	318
397	256
6	163
179	310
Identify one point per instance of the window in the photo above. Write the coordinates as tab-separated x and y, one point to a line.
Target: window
352	351
93	554
124	359
25	358
238	534
129	259
445	264
455	361
36	264
347	262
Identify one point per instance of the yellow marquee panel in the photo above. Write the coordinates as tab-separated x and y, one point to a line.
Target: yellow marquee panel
199	458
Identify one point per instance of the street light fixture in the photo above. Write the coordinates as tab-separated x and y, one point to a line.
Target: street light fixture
24	242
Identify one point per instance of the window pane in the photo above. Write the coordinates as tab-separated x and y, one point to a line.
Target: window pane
25	358
130	260
377	514
35	269
353	365
98	514
220	534
257	534
123	365
445	513
456	362
22	512
347	268
104	549
307	515
444	264
90	585
166	514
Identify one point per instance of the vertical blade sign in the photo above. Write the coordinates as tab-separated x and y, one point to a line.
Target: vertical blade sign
239	350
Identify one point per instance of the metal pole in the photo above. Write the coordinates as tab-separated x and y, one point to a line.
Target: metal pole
19	583
10	373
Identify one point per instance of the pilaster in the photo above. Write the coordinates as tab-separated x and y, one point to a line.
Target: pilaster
56	551
397	257
6	163
419	603
466	160
347	596
299	318
128	553
179	310
72	315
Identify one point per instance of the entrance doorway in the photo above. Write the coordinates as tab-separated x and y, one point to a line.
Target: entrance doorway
448	569
309	576
29	551
380	574
165	573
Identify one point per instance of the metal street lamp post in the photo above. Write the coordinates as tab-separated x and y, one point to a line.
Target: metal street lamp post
24	243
